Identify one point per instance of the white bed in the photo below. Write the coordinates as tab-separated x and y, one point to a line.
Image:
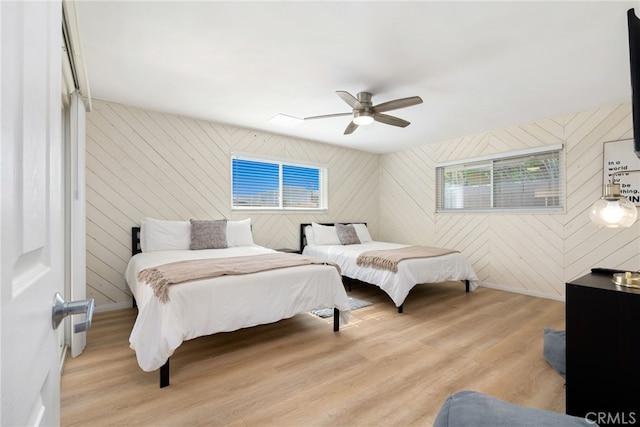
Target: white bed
411	272
225	303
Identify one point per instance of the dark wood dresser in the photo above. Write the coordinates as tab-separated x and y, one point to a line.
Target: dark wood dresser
603	351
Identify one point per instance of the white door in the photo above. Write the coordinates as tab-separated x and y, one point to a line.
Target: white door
31	211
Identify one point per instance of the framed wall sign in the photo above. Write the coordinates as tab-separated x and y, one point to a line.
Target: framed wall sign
619	157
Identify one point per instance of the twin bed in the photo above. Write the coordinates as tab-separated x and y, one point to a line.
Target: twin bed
323	241
179	299
219	304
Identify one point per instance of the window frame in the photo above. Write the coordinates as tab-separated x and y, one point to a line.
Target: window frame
323	179
440	169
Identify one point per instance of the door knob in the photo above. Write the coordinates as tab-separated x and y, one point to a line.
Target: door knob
62	309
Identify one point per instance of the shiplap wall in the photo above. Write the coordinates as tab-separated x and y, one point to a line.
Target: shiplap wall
531	254
143	163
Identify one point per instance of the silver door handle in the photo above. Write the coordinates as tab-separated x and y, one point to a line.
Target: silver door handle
62	309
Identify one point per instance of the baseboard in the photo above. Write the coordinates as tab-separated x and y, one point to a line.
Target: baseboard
128	304
523	291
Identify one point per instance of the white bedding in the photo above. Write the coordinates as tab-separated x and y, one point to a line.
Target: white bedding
225	303
410	272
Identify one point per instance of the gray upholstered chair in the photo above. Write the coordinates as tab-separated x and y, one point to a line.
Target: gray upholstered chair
474	409
555	350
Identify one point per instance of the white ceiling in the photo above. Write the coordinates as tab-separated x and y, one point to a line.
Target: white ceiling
477	65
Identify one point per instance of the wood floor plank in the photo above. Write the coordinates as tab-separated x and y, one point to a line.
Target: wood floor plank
383	368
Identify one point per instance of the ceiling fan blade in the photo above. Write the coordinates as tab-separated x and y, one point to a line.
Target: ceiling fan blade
327	116
350	128
390	120
397	103
350	99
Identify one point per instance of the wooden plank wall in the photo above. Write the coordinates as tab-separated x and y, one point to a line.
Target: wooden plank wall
531	254
143	163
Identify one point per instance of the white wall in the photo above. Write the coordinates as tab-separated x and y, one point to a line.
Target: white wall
144	163
526	253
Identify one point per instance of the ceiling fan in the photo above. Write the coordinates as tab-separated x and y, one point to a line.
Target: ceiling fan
364	112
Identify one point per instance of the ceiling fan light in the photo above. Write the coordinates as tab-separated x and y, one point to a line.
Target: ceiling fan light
362	118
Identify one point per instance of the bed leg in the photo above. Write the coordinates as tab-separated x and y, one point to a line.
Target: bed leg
401	308
336	320
164	374
346	281
466	285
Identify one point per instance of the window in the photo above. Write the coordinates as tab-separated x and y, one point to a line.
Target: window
526	180
266	183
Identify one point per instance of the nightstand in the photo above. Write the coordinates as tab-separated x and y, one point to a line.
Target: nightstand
603	350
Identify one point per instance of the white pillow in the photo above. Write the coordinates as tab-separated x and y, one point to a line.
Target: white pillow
308	232
239	233
160	235
362	232
325	234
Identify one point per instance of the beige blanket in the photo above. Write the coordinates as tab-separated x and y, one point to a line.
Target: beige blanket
161	276
388	259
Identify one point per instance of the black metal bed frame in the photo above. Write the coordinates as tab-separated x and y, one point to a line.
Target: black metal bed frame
136	249
303	243
164	369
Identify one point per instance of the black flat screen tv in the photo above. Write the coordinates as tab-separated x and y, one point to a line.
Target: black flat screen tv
634	62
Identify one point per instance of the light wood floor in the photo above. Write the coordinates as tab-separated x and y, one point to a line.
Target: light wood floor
382	369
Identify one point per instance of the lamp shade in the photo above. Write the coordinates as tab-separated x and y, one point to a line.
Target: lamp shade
613	210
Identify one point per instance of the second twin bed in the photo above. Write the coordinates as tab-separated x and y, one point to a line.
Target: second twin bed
330	241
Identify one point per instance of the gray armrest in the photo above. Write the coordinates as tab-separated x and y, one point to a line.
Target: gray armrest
471	408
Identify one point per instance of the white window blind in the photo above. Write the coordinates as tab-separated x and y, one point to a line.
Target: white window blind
266	183
530	180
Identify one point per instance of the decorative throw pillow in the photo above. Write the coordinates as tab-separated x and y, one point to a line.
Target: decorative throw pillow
347	234
208	234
